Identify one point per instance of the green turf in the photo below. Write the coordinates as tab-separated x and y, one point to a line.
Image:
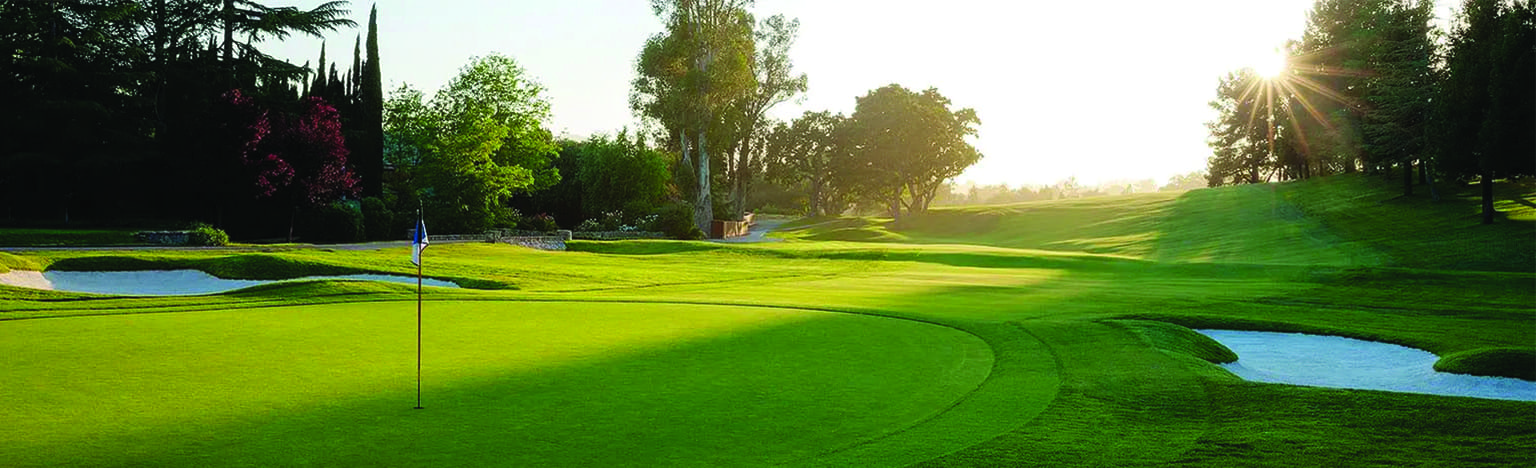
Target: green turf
635	385
1079	307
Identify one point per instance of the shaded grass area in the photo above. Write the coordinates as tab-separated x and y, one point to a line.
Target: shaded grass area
1514	362
65	237
1418	232
539	383
1176	339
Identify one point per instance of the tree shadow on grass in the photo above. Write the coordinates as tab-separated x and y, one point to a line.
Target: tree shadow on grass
773	394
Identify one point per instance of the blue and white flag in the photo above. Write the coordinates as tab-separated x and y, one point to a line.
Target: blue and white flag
419	242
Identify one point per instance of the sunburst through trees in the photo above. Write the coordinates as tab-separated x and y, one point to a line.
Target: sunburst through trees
1353	93
1272	113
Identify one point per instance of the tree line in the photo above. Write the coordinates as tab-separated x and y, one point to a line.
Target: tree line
706	83
147	112
1373	85
135	112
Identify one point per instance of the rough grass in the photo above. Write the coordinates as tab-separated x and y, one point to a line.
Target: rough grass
65	237
1059	293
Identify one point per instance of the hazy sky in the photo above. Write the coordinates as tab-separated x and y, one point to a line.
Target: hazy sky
1100	90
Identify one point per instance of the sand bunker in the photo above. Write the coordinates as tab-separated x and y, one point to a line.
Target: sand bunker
25	279
1338	362
164	282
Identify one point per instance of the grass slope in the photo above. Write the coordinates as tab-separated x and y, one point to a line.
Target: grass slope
1349	220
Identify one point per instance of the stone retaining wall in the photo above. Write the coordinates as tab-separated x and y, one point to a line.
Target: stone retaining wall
585	235
537	242
617	235
163	237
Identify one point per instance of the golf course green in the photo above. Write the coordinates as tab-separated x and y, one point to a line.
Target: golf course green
1049	333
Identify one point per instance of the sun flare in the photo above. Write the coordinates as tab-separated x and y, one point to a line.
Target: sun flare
1269	66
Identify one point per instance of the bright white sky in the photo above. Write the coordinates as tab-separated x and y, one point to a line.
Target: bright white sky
1100	90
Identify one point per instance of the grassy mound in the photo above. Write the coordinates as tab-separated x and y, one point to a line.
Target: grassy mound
10	262
244	266
1519	363
1177	339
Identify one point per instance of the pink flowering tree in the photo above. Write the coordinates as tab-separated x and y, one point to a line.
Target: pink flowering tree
245	128
302	158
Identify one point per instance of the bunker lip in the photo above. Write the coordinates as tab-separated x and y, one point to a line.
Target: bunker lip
167	282
1338	362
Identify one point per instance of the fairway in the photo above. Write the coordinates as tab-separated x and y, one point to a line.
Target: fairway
1056	334
542	383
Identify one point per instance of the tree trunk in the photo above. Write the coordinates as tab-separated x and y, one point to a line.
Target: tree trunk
896	211
739	191
815	197
291	214
1487	185
1423	171
682	141
703	208
229	31
1408	178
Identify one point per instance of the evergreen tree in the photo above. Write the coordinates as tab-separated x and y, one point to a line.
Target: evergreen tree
370	156
319	85
1486	107
1401	87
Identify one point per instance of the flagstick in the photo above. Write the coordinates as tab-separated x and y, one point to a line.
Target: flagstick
418	249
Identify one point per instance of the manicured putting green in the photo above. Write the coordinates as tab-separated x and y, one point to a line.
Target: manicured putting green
522	383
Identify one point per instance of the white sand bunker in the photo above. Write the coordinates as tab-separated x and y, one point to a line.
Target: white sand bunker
165	282
1338	362
25	279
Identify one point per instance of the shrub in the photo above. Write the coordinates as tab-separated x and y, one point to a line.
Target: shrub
204	234
676	220
648	223
589	225
506	218
542	222
377	219
334	223
611	220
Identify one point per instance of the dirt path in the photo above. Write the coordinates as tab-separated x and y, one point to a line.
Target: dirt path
757	232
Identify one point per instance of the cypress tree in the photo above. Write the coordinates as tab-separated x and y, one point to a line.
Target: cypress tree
370	161
318	87
357	65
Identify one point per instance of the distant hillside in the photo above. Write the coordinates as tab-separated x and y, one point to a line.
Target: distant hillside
1347	220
